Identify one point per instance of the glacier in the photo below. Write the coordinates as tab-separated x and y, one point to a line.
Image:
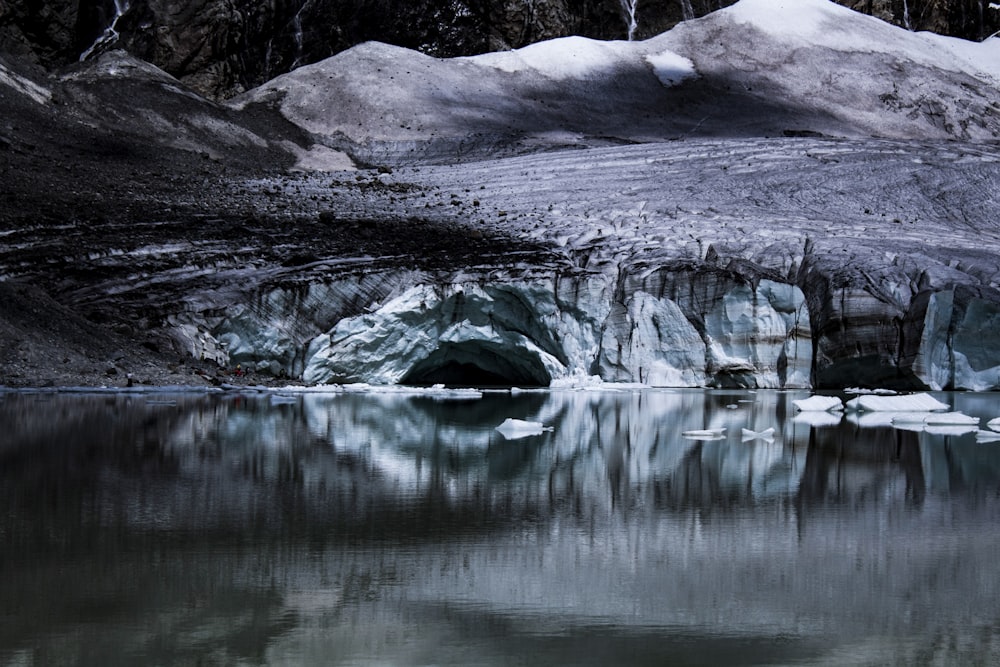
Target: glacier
532	332
696	209
791	274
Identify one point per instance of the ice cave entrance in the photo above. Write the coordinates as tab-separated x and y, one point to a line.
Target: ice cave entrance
479	364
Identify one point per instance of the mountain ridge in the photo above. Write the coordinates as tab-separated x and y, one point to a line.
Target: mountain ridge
223	48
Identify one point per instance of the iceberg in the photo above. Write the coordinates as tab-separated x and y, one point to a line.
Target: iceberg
987	436
994	424
909	403
818	404
515	429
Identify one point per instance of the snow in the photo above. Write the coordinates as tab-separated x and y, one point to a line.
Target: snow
381	103
799	20
562	58
670	68
321	158
35	92
823	23
580	58
983	58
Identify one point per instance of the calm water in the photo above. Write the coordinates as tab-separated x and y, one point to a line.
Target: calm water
402	530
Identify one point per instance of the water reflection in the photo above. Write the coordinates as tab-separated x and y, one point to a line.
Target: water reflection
375	529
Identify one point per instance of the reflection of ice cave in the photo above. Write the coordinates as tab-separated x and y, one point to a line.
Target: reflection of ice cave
479	363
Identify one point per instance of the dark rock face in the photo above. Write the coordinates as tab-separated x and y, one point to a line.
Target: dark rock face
223	48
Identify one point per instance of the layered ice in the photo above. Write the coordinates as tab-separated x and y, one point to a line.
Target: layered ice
545	330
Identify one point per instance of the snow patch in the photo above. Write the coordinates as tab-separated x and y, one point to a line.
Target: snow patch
562	58
320	158
671	68
27	87
822	23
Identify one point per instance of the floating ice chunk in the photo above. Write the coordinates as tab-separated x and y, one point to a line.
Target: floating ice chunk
818	404
706	433
880	392
767	435
994	424
514	429
910	403
987	436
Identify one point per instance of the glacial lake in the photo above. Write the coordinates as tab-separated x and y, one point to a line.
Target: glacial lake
396	529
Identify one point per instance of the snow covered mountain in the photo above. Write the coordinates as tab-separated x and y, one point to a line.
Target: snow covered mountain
759	68
224	47
778	194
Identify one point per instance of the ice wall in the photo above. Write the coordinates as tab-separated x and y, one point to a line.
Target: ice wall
685	329
959	341
681	326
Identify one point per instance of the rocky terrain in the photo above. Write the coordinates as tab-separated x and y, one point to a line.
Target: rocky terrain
758	198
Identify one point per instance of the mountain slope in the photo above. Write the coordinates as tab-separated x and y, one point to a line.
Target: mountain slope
759	68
